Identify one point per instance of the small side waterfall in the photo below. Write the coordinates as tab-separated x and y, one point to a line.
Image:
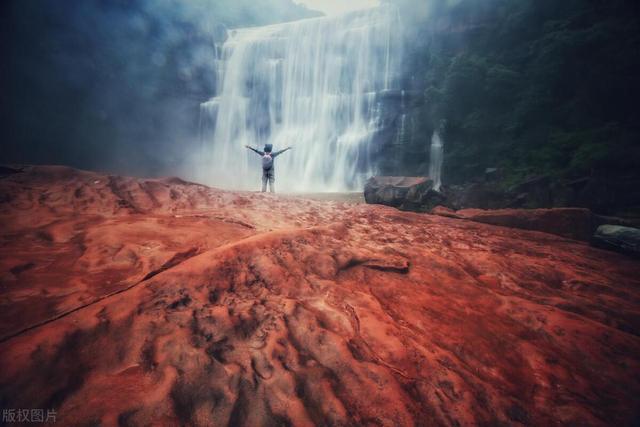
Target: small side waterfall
401	135
313	84
435	160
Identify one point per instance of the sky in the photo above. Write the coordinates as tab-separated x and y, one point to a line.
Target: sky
336	7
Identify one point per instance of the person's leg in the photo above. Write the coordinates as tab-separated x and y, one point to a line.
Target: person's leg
265	177
272	180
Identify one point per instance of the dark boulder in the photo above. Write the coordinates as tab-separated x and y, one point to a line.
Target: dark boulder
407	193
618	238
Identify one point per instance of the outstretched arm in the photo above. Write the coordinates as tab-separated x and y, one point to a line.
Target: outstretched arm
257	151
277	153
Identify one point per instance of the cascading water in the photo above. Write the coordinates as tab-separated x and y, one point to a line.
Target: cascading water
312	84
435	160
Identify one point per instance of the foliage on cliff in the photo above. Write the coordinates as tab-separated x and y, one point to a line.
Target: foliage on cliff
529	86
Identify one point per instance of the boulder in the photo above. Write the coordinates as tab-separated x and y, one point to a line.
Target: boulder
407	193
391	190
618	238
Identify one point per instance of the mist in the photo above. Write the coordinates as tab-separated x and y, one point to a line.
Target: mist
530	88
114	85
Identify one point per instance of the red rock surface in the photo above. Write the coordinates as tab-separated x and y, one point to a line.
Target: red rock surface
160	302
574	223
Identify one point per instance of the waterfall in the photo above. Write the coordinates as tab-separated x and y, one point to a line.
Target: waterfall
401	134
313	84
435	160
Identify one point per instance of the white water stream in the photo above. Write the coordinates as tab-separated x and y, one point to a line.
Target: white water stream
435	160
312	84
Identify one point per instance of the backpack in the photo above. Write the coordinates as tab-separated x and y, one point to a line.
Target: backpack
267	161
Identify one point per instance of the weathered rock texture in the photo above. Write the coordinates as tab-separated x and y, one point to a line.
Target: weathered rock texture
615	237
160	302
413	193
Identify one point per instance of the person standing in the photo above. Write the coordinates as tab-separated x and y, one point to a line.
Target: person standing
268	170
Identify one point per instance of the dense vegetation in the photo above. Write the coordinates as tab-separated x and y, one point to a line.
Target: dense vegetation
532	87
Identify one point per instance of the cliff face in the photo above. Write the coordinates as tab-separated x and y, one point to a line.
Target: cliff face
528	88
164	302
115	85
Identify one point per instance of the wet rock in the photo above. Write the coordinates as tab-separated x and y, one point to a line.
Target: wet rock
395	190
407	193
618	238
